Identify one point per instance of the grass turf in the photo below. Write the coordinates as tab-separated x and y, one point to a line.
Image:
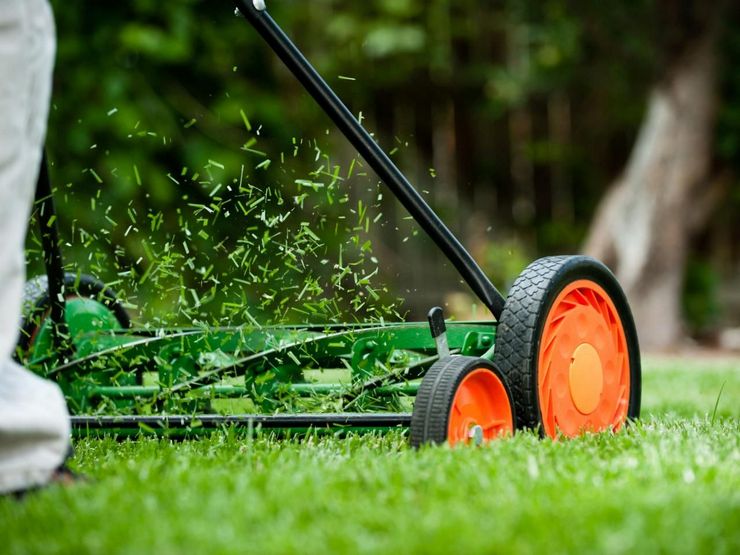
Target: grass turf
670	483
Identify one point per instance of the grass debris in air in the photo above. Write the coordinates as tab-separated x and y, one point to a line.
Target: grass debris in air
248	240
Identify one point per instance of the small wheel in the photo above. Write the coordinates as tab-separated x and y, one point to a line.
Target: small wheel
567	345
36	304
461	399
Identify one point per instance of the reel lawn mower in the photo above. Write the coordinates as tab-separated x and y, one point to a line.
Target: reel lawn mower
561	356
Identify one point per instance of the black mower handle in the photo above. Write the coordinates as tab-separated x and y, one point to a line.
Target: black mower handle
254	11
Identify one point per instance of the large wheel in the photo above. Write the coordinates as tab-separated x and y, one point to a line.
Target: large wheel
461	400
567	345
36	306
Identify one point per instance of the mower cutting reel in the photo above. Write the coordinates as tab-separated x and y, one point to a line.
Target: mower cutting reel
561	356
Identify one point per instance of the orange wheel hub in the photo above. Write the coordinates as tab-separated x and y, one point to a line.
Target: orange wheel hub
480	410
583	378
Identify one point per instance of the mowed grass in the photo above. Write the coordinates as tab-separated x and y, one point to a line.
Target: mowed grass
669	484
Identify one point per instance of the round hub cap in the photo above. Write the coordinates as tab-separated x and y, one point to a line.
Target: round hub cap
586	378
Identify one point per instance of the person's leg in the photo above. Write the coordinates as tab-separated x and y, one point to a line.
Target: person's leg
34	423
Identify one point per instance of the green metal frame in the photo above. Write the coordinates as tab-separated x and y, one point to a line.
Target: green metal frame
243	370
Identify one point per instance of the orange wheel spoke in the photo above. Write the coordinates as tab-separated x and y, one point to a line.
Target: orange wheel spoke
472	410
492	424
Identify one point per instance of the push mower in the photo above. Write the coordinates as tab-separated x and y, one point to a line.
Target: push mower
561	357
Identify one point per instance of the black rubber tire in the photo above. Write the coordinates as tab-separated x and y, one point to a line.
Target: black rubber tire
36	303
521	324
431	414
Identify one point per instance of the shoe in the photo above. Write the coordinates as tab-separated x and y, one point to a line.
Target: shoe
62	476
66	477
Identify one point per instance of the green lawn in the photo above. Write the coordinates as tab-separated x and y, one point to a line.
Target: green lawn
668	484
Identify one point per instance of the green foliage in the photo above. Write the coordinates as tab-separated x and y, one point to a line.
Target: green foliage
505	259
728	118
701	285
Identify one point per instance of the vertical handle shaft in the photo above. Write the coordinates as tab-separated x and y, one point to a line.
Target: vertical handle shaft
52	253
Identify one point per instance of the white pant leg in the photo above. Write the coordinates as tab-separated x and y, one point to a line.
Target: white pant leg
34	423
34	428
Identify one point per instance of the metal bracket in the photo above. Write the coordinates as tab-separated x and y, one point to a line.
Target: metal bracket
439	331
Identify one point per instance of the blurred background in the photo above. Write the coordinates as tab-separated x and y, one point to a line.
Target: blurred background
196	176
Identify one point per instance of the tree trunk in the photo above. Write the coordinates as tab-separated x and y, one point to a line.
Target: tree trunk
643	227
